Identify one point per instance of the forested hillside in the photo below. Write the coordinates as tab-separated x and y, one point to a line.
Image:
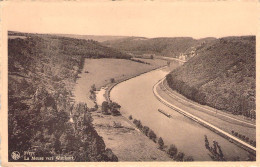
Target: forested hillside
221	75
41	115
171	47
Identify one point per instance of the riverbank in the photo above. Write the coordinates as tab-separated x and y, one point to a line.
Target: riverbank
120	134
111	86
101	72
127	142
158	94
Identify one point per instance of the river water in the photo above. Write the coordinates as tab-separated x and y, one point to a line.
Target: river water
136	98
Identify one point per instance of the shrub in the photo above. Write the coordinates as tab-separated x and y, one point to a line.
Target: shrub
172	151
93	87
112	80
235	133
232	132
130	117
247	139
117	125
115	112
189	158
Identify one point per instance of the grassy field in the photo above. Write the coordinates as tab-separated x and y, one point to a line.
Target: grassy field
127	142
100	71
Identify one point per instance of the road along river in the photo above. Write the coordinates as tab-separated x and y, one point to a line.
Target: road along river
137	99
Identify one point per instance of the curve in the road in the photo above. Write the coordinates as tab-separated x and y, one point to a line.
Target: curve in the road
173	95
193	117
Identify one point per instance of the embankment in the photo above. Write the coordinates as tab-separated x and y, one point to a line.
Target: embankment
206	124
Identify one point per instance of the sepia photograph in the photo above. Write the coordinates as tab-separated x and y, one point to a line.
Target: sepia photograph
128	81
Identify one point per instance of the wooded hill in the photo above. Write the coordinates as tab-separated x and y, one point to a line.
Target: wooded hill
41	116
171	47
221	75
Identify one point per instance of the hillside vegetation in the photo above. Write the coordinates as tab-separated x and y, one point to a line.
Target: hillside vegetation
41	116
171	47
221	75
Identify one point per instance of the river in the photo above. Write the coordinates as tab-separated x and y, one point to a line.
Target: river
137	99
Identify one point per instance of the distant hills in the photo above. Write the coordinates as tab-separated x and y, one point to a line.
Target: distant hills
170	47
176	47
222	74
71	46
99	38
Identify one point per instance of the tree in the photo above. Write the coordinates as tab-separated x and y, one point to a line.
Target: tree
220	151
161	143
180	156
206	142
151	57
172	151
105	107
115	112
138	124
146	130
152	135
114	108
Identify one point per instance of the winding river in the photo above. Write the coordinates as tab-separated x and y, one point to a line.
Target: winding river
137	99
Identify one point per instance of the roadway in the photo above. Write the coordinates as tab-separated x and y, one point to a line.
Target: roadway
200	120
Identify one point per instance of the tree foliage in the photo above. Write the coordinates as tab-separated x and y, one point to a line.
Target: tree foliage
172	151
41	68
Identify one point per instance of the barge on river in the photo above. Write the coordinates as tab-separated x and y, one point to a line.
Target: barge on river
164	113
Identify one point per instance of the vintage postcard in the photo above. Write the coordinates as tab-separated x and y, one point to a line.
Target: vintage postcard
136	83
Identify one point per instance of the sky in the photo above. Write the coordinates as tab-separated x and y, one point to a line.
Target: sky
146	19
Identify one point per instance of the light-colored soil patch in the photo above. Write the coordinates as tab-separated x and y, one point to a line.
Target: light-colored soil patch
100	71
16	36
127	142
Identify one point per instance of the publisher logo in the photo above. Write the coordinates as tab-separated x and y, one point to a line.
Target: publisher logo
15	155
